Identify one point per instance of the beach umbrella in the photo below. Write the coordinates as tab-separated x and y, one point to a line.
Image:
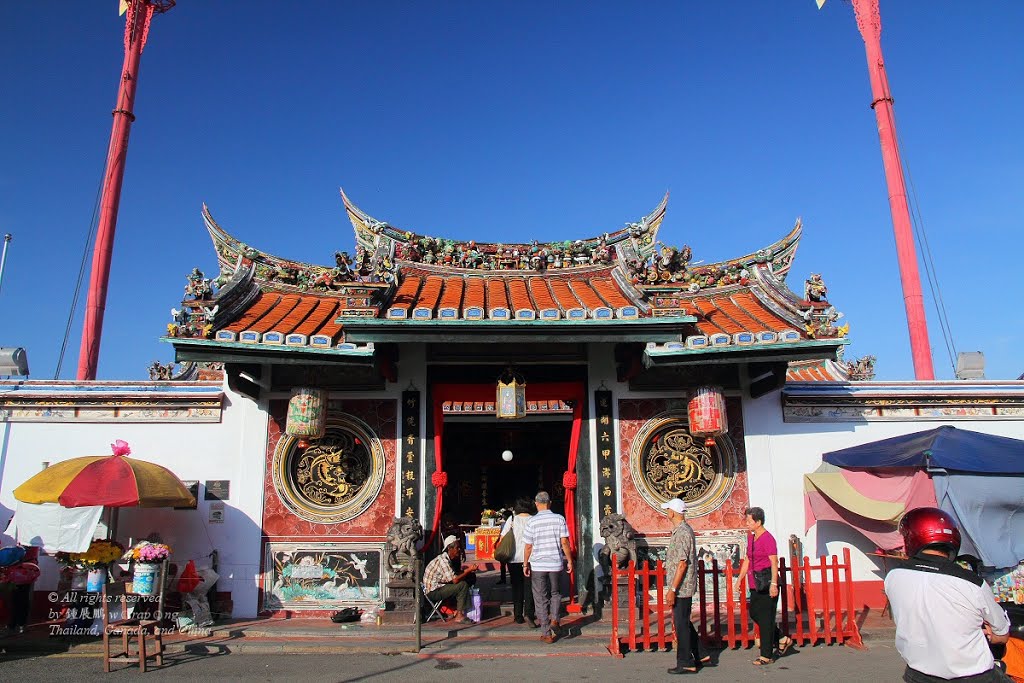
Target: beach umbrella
106	480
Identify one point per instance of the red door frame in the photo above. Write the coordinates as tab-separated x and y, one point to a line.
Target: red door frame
540	391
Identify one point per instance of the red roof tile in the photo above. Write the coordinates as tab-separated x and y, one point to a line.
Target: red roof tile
452	297
518	294
497	297
275	315
563	295
816	371
264	303
541	294
406	295
323	312
586	294
749	303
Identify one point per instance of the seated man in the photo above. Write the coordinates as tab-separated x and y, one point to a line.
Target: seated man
441	582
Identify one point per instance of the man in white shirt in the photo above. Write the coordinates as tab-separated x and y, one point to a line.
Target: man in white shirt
545	551
945	615
440	581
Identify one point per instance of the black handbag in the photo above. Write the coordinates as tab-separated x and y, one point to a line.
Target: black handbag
506	548
762	580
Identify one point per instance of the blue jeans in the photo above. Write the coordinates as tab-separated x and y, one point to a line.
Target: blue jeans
546	598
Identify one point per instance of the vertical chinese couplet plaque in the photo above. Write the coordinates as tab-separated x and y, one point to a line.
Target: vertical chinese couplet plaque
607	491
410	455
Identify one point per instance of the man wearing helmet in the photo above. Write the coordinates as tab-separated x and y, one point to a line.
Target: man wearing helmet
944	614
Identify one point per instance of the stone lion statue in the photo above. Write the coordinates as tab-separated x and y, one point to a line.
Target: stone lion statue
404	534
619	542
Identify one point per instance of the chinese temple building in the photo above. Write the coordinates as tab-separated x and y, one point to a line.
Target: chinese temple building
434	379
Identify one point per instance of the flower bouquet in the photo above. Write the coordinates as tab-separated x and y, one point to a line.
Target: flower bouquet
90	567
100	553
147	557
146	552
489	517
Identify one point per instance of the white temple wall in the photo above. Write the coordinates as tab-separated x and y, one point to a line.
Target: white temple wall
232	450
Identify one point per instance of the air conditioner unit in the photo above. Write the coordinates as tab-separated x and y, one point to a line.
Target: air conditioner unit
970	365
13	361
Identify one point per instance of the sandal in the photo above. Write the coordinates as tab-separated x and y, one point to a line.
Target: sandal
761	661
784	645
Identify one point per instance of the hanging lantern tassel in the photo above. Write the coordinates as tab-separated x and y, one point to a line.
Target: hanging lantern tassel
307	415
706	411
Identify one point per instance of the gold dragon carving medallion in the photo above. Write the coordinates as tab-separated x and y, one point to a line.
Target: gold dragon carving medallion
336	478
666	462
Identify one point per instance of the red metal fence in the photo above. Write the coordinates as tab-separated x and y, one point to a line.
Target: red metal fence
810	611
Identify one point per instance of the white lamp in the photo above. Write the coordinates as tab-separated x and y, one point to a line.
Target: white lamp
506	455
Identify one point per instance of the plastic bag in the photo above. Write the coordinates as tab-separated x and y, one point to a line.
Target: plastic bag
345	615
189	579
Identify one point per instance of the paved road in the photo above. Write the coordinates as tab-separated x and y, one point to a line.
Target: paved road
821	664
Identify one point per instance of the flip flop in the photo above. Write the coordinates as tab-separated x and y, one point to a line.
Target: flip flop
762	661
784	646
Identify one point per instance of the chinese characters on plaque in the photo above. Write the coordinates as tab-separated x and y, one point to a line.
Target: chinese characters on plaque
409	455
607	490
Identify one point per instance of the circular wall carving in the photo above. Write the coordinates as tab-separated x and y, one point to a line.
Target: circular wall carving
336	478
666	462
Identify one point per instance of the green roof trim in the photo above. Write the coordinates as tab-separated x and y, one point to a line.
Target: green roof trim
384	323
800	350
314	350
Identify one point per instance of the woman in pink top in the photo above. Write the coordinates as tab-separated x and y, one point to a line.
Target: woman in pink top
761	567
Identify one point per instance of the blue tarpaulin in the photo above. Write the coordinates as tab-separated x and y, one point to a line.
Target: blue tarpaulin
945	447
990	511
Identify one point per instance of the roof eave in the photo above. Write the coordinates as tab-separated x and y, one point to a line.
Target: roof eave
238	352
474	331
813	349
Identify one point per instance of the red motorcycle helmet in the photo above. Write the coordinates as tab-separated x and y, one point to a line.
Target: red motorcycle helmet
927	528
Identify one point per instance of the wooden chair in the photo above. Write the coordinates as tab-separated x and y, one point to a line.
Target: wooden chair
144	628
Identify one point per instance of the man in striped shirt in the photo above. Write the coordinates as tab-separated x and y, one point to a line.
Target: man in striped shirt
546	550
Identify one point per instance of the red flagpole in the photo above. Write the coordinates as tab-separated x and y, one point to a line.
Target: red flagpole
140	13
869	23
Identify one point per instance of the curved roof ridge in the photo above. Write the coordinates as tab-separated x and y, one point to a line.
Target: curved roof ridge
778	256
644	231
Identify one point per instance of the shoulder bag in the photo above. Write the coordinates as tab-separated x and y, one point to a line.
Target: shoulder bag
506	548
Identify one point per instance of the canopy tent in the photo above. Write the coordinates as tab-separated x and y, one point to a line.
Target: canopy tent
978	478
944	447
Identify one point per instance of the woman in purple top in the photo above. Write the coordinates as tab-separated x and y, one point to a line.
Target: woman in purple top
761	567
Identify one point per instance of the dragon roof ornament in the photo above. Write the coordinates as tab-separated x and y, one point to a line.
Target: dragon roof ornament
634	241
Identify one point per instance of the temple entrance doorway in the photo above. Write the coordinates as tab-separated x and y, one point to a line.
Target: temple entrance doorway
482	480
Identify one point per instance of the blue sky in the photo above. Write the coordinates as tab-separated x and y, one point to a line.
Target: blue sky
500	121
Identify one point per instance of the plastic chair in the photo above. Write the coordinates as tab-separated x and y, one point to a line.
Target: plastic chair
435	606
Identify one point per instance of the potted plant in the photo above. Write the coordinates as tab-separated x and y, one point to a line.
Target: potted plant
489	517
147	557
72	570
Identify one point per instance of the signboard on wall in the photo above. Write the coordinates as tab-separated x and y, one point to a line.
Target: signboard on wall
217	489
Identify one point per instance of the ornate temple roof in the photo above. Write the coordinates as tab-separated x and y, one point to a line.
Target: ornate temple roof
398	284
817	371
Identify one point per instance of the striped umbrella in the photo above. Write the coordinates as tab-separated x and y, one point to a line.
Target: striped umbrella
108	480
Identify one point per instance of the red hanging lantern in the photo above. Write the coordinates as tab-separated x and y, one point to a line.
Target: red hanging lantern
706	411
307	415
